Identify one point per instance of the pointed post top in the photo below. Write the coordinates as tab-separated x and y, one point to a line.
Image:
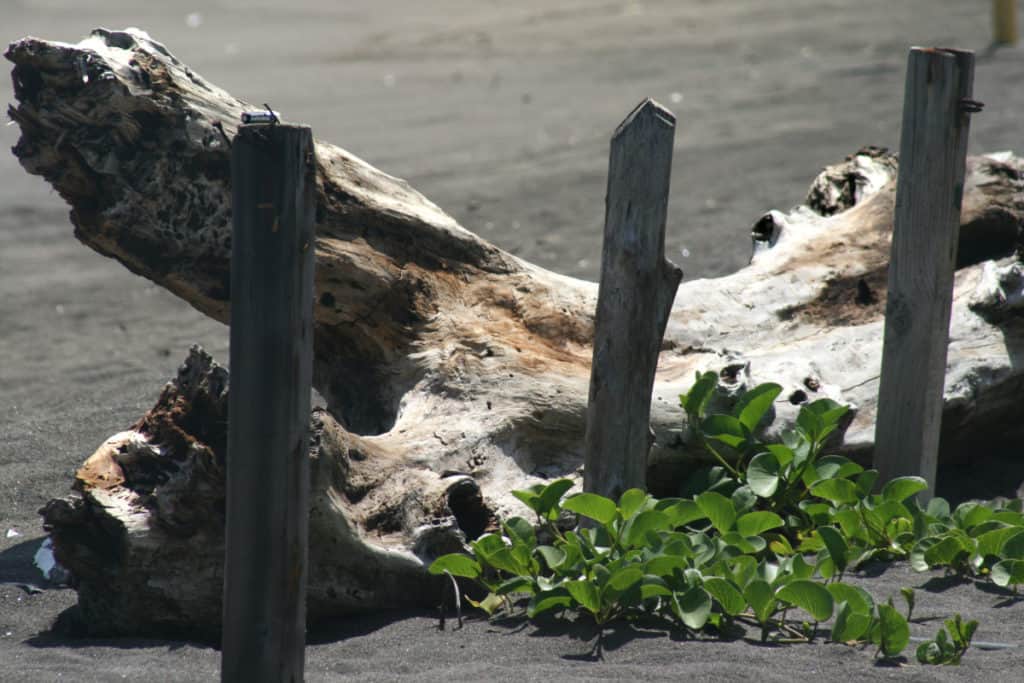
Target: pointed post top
647	111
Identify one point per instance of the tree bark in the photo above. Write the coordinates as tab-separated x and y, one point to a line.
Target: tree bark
453	371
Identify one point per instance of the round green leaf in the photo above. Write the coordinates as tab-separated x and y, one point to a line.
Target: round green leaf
754	404
1009	517
547	499
743	499
945	551
836	491
1008	572
520	531
938	508
554	557
487	545
747	545
684	512
780	545
631	501
758	595
1013	547
666	565
585	593
859	600
894	633
825	567
756	523
647	521
851	524
810	596
704	548
866	482
741	570
529	496
797	567
593	506
548	600
730	599
838	549
992	542
901	488
929	652
820	513
918	561
763	474
724	428
718	509
783	453
849	624
456	563
505	560
694	607
654	586
624	578
836	467
971	514
697	398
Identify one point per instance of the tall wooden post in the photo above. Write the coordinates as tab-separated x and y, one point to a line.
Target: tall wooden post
1004	22
273	205
634	300
933	146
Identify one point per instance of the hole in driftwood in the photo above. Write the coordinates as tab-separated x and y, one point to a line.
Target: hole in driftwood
467	506
764	229
27	82
992	234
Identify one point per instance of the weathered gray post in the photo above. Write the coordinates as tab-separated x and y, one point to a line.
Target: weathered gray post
933	146
1004	22
634	299
273	204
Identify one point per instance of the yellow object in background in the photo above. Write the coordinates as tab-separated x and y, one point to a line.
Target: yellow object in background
1004	21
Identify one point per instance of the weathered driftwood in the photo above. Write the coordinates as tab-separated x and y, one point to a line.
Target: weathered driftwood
452	370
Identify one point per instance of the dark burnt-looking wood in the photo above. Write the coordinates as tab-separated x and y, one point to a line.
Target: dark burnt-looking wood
273	203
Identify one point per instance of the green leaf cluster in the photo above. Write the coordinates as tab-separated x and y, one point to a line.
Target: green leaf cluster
771	528
950	643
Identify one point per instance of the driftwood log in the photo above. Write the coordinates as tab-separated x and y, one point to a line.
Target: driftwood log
452	370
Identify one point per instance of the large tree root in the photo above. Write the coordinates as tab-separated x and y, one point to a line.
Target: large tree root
453	371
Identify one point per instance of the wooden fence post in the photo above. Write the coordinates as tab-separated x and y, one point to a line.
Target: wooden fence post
933	146
635	296
273	206
1004	22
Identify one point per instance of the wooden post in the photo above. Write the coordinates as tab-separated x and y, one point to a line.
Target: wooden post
273	205
1004	22
634	299
929	191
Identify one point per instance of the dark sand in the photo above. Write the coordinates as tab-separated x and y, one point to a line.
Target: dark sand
501	113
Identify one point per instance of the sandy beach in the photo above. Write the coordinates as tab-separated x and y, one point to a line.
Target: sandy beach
501	114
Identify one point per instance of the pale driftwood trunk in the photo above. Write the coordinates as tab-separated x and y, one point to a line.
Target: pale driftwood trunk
453	371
